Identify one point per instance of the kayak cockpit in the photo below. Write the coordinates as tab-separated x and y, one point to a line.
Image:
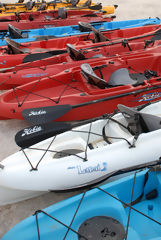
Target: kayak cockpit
98	36
119	77
17	48
139	122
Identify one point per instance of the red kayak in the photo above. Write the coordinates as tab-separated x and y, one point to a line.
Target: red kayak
28	72
42	15
51	19
29	52
90	91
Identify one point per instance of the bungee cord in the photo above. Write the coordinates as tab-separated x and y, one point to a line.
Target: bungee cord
80	202
30	92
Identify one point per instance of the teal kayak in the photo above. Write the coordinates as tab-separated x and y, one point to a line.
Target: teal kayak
22	36
102	213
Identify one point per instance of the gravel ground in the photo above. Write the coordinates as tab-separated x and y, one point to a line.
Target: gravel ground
12	214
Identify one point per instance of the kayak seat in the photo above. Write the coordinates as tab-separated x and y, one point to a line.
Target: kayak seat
97	6
87	3
84	27
121	77
14	47
14	32
75	54
74	2
29	5
62	13
91	77
139	122
98	36
157	35
138	76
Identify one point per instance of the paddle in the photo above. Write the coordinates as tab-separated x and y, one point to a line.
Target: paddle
46	114
34	134
54	112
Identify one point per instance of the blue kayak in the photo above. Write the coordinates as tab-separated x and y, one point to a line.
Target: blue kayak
101	213
22	36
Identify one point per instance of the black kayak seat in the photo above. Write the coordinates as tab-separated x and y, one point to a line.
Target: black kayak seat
91	77
140	122
98	36
14	47
74	2
157	35
84	27
29	5
122	77
87	3
62	13
75	54
14	32
96	6
87	27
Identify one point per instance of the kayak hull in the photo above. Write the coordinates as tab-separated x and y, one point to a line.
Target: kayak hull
37	50
86	100
101	203
34	34
54	172
41	21
28	72
10	9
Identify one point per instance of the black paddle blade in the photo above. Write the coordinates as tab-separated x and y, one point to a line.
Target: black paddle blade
34	134
45	114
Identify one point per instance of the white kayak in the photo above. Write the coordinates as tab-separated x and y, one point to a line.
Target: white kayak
90	157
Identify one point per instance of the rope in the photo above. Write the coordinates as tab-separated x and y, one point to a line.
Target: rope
38	211
80	202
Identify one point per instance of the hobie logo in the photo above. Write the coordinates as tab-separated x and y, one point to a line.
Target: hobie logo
34	75
148	97
100	167
29	131
35	113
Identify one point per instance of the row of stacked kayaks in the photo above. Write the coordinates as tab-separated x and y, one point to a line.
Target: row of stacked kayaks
91	88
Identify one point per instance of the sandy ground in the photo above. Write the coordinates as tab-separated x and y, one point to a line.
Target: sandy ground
12	214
